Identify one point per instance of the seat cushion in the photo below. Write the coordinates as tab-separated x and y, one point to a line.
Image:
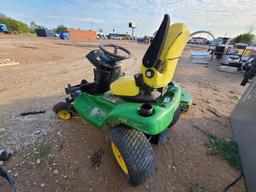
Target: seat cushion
125	86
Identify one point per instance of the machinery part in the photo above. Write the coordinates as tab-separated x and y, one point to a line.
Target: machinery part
159	138
164	136
114	56
146	110
4	155
207	32
251	73
133	153
32	113
233	182
176	117
5	175
64	110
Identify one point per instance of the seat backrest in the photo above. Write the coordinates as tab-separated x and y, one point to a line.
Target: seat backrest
154	50
161	73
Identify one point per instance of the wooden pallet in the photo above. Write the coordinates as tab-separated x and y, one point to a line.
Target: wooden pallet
7	62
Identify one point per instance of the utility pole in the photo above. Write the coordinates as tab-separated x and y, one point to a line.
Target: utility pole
133	26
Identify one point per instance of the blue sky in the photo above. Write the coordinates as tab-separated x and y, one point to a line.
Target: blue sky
221	17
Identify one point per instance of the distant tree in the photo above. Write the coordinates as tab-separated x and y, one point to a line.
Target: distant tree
244	38
13	25
60	28
34	26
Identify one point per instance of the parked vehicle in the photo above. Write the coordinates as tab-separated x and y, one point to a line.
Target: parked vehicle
3	28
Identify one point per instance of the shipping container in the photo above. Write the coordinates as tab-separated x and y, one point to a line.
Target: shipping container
82	34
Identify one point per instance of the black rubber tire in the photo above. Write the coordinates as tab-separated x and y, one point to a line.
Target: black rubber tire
136	151
176	117
63	106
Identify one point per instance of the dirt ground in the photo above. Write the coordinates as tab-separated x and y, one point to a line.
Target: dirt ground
56	156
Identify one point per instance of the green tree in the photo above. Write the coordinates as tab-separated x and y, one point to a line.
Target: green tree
13	25
244	38
34	26
60	28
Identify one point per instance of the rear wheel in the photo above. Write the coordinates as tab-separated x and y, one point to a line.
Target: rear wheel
133	153
176	117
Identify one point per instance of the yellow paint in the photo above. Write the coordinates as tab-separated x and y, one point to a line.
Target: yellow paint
64	115
248	52
119	158
240	51
124	86
176	40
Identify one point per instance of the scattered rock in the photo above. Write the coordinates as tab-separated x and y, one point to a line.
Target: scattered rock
34	183
37	132
28	154
65	177
16	175
42	185
59	134
2	130
90	189
38	161
55	172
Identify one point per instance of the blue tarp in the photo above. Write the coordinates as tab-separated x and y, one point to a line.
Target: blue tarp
64	35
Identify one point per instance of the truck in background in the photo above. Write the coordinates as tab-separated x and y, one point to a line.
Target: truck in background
3	28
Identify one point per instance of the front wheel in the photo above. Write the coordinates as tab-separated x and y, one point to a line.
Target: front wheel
133	153
63	110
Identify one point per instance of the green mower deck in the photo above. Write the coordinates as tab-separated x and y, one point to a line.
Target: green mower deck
106	108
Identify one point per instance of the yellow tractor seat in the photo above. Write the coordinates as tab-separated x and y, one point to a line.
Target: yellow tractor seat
125	86
158	64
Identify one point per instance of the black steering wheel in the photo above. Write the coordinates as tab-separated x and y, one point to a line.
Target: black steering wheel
114	56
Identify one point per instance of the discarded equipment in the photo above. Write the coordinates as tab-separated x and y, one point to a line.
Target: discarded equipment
243	123
4	156
200	57
143	106
7	62
221	46
237	56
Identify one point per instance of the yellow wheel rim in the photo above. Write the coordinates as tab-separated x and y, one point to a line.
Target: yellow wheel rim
63	114
119	158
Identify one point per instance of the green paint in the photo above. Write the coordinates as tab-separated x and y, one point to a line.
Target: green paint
99	110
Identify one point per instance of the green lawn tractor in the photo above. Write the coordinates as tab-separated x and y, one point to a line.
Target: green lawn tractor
143	107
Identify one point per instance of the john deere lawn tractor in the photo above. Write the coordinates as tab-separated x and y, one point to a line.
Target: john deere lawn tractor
143	107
